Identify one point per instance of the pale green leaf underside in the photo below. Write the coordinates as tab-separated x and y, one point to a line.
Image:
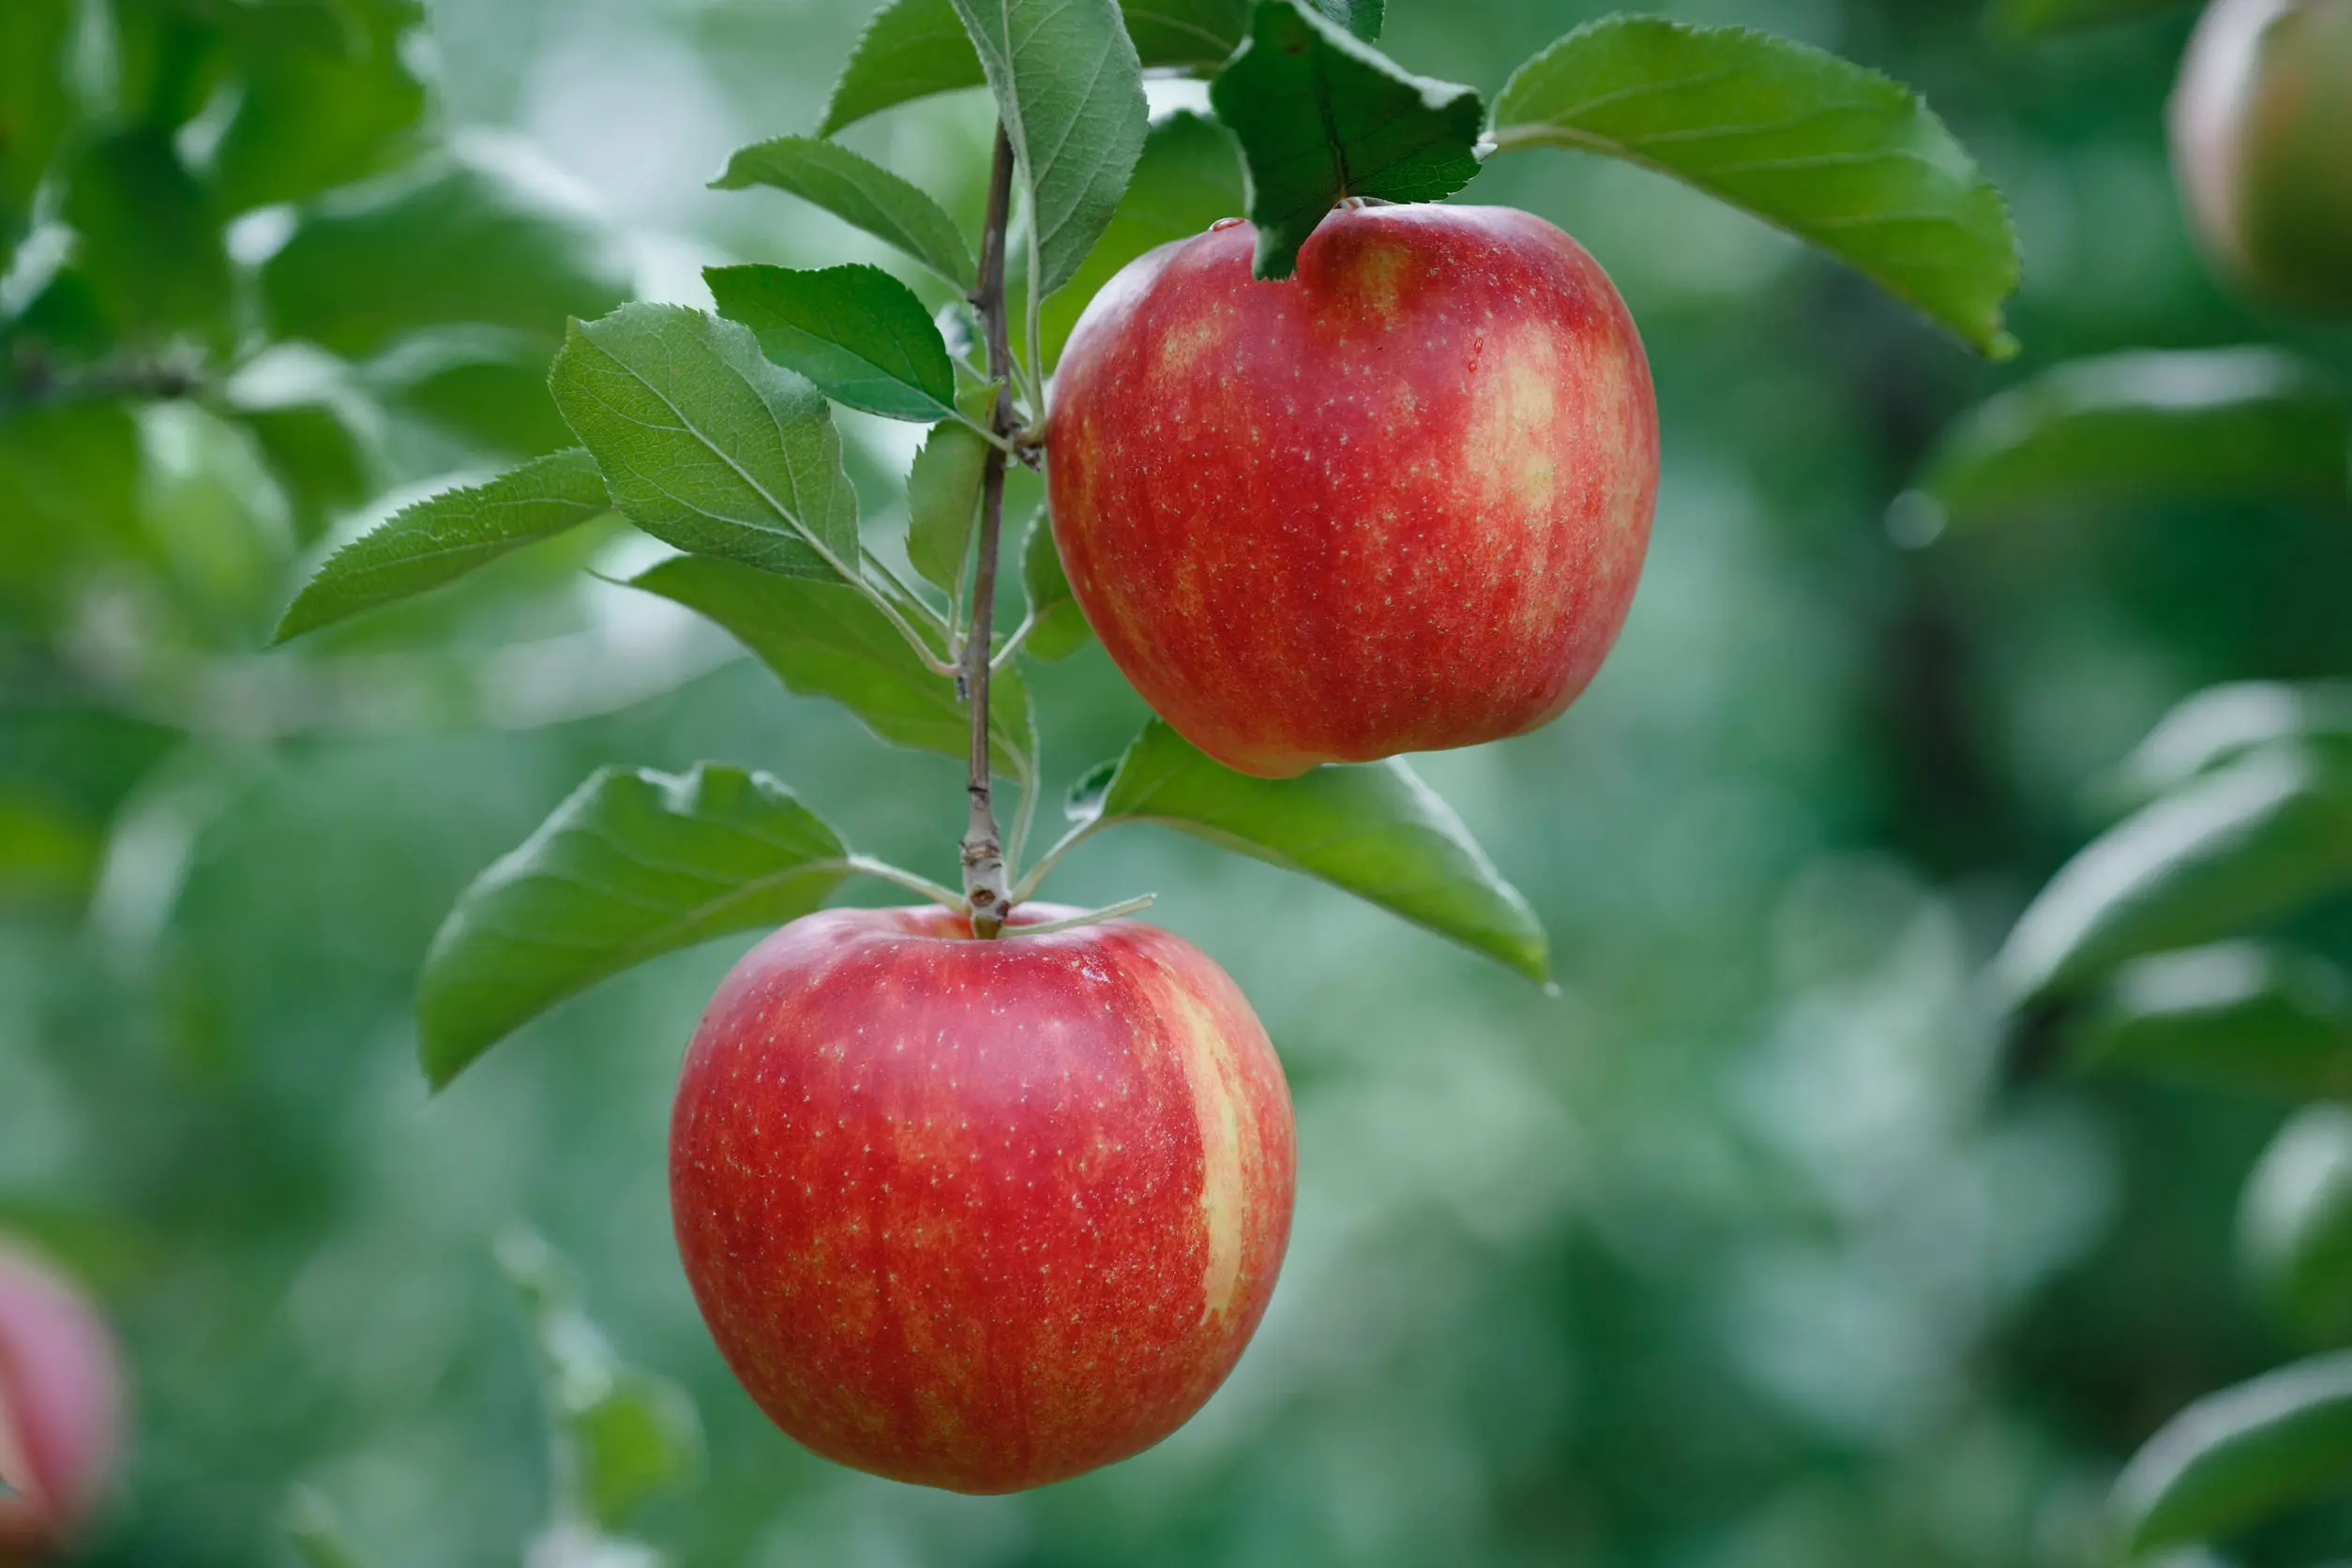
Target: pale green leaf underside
1840	155
1375	829
705	444
826	639
445	536
636	864
2222	723
858	333
860	193
2240	1455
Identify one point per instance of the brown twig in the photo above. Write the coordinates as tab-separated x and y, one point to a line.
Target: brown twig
985	877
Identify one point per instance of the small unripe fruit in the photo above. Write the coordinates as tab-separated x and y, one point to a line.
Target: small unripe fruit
1397	502
61	1402
980	1215
2262	146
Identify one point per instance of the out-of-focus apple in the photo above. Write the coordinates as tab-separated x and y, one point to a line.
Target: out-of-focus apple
2262	146
1397	502
980	1214
61	1405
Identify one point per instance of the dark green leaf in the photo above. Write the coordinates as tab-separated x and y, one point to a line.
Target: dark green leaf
2235	1015
1375	829
705	444
636	864
2295	1225
485	386
440	539
2242	844
1069	94
2240	1455
915	48
1837	155
827	640
942	498
857	332
2222	723
467	243
147	241
69	491
1321	115
35	105
860	193
2240	423
1058	628
321	111
1189	177
2039	18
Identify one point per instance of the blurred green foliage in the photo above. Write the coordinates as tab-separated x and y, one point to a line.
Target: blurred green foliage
1748	1250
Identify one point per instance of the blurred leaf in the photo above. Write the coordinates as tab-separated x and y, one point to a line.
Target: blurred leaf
317	1532
2235	1015
316	433
2039	18
1374	830
827	640
1321	115
2295	1225
322	111
2222	723
636	864
468	242
1069	94
1189	177
35	105
2251	423
69	491
705	444
621	1434
2242	844
942	499
1839	156
2240	1455
485	386
442	538
46	853
915	48
1058	628
857	332
860	193
147	241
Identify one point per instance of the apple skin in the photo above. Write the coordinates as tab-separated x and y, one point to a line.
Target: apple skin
1397	502
2262	146
61	1405
980	1214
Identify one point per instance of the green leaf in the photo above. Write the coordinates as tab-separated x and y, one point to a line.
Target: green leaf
332	108
467	242
860	193
2222	723
1058	626
2242	844
827	640
1837	155
1361	17
915	48
147	241
1189	177
319	459
2235	1015
705	444
69	491
2252	423
636	864
2027	18
857	332
2295	1223
317	1532
35	105
942	498
1375	829
2240	1455
485	386
623	1434
445	536
1321	115
1069	94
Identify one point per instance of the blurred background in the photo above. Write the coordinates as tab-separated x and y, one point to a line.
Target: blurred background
1744	1251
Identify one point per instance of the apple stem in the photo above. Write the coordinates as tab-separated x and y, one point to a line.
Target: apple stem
985	875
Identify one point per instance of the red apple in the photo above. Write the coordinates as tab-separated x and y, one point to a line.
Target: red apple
980	1214
61	1400
1397	502
2262	146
